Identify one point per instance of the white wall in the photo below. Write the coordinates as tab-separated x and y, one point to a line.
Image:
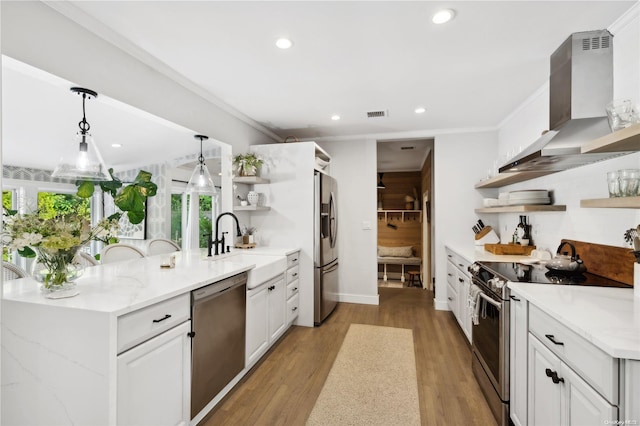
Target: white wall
353	164
460	161
602	226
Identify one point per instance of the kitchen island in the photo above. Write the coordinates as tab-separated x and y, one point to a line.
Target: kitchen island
62	359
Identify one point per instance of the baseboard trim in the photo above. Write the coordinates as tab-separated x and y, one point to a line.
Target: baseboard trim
440	305
359	298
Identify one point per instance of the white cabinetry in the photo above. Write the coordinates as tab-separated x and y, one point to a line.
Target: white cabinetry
265	317
458	283
154	377
154	380
293	283
559	396
570	381
519	331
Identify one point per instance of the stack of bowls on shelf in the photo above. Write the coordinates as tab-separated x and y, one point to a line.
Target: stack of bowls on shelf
624	183
531	196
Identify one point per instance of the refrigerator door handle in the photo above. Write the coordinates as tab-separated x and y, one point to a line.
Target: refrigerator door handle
333	221
333	268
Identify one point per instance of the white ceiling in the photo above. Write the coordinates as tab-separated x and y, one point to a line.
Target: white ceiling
402	155
348	58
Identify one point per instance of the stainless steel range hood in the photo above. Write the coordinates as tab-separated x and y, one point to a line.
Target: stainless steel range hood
580	85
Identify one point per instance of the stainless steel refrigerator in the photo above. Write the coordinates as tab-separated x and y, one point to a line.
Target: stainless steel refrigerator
325	257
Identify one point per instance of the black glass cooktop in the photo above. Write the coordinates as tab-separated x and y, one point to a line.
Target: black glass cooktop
536	273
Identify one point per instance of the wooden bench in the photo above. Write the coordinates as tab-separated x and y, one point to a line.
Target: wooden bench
398	261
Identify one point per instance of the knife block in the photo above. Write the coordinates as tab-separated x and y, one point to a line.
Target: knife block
487	236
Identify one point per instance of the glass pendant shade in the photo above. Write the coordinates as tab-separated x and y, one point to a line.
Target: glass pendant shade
82	160
380	184
200	181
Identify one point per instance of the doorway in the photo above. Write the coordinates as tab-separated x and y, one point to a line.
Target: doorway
404	226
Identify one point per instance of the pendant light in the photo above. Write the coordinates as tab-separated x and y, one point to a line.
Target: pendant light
200	181
380	184
82	160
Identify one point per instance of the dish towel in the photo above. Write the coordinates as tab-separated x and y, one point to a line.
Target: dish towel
474	303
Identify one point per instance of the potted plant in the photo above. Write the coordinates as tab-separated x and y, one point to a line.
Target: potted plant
247	164
247	234
632	236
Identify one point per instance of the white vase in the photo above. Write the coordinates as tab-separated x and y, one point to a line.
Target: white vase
253	198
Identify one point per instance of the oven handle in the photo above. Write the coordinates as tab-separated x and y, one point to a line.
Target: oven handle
490	300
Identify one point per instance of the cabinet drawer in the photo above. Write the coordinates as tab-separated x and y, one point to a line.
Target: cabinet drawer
143	324
452	298
292	308
292	273
595	366
458	261
292	288
293	259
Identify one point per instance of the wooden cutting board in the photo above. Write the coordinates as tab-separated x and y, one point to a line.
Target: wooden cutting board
515	249
615	263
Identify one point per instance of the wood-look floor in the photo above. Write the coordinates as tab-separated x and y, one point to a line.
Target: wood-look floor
283	387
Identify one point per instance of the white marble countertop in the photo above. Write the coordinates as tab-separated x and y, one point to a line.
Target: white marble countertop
474	253
607	317
122	287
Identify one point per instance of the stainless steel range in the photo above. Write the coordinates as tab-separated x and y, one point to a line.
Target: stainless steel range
490	342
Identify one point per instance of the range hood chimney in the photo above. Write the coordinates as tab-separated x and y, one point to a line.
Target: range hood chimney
580	86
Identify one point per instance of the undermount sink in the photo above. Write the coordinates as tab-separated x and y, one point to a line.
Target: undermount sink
267	266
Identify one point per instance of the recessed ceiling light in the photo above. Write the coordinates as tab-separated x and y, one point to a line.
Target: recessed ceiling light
335	117
420	110
116	145
443	16
284	43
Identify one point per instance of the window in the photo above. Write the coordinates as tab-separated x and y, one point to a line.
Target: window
7	203
205	218
176	218
51	204
7	199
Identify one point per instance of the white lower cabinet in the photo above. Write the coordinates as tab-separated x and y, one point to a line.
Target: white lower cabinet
518	334
559	396
154	380
544	395
293	283
458	284
265	317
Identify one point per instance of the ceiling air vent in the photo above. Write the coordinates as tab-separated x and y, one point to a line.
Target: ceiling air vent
377	114
404	148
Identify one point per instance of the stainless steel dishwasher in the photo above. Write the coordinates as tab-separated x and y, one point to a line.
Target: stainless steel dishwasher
218	325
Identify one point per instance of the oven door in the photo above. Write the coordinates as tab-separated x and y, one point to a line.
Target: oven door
491	340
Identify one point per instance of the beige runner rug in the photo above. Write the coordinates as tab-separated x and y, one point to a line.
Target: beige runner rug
373	380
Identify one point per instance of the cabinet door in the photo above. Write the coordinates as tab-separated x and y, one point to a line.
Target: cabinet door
582	405
463	304
544	395
277	309
519	327
154	380
257	324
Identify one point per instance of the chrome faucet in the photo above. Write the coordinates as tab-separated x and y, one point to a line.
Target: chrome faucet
220	241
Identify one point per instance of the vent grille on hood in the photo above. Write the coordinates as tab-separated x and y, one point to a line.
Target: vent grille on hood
593	43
